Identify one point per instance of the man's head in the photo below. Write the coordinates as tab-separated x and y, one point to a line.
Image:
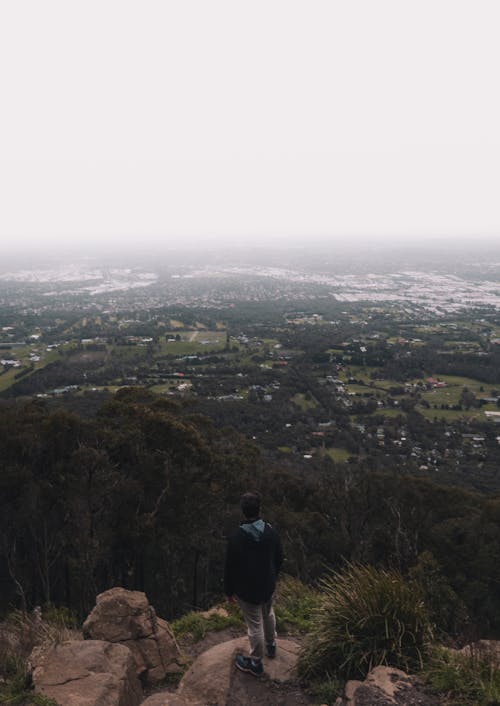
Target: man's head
250	505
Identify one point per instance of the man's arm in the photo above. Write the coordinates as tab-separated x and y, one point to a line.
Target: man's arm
278	555
229	569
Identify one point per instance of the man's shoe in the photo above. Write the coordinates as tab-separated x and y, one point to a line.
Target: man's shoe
271	650
248	665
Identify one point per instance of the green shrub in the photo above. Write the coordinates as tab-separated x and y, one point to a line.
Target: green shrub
467	679
198	625
326	691
446	611
294	604
366	617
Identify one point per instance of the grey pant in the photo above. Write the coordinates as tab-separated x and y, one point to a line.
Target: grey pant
261	624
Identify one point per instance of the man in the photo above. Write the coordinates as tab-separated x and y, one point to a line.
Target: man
253	559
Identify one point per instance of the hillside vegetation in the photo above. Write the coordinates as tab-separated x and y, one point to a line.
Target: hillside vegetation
143	494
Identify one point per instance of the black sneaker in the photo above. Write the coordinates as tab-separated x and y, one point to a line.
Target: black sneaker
248	665
271	650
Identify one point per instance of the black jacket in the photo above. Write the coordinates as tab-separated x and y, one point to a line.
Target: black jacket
253	561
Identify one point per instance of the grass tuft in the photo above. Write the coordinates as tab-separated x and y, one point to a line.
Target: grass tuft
366	617
62	618
294	605
467	679
198	624
29	631
19	634
327	690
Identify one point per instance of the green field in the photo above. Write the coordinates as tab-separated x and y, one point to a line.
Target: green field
127	353
360	372
455	385
450	414
363	373
363	389
473	385
193	342
22	354
449	395
300	400
100	388
271	342
8	378
338	454
391	412
163	388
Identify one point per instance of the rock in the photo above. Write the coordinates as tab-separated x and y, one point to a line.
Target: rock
387	686
168	700
350	689
9	641
209	677
210	674
125	617
488	650
282	667
87	673
221	612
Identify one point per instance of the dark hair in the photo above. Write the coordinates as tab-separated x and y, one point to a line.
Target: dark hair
250	505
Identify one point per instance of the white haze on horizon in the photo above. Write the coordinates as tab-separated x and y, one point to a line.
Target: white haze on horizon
195	124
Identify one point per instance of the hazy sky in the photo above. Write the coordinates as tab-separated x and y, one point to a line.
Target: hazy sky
258	121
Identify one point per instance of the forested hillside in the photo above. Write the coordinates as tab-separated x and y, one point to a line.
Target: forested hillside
143	494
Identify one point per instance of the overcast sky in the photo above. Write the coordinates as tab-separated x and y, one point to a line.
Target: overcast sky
259	121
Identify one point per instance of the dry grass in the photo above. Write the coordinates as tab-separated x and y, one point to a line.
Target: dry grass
20	634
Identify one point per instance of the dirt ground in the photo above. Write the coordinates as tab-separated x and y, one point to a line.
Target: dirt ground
247	690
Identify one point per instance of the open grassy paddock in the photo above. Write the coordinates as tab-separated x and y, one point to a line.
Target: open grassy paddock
8	378
451	414
363	373
436	397
391	412
338	454
193	342
450	395
300	400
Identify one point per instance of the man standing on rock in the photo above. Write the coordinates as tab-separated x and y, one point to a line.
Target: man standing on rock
253	559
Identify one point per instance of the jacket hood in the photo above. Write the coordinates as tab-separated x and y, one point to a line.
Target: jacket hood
255	530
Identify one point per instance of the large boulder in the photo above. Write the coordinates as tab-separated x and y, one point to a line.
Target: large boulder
387	686
213	679
86	673
125	617
208	680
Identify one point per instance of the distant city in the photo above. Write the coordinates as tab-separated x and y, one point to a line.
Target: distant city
453	284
